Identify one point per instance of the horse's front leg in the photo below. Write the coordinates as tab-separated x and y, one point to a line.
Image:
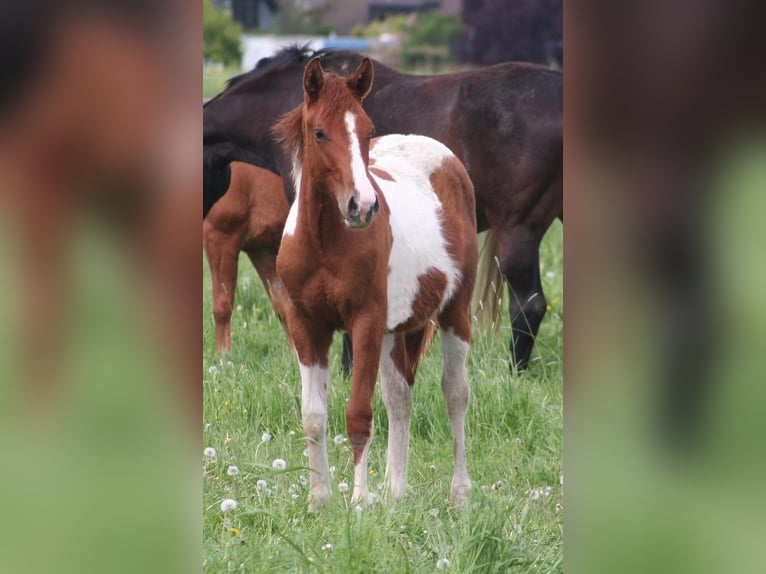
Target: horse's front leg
367	337
312	347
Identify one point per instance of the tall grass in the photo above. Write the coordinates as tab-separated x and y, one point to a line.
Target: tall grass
514	436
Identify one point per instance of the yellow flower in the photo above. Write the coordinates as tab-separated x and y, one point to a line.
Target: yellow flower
217	478
257	309
228	438
244	411
226	403
233	531
548	307
373	472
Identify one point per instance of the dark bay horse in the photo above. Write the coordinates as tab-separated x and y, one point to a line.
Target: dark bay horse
249	218
380	241
503	122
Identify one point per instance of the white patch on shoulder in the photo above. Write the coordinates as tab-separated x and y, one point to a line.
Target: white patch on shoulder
292	215
418	241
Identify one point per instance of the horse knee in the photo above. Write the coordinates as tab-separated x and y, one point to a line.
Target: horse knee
222	310
314	423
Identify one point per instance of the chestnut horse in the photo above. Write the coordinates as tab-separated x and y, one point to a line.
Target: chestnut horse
380	240
249	218
503	122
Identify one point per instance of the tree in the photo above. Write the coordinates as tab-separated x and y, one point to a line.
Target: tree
526	30
220	35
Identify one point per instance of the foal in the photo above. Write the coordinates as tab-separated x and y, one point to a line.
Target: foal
380	240
249	217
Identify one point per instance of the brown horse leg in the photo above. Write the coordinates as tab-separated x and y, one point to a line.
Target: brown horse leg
222	250
520	264
367	338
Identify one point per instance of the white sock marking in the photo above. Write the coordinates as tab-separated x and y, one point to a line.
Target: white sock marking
314	414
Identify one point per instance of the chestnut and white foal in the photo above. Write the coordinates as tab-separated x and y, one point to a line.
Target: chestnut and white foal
381	239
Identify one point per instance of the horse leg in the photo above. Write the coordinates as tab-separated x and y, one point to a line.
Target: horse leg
222	250
366	336
396	385
313	349
455	330
520	264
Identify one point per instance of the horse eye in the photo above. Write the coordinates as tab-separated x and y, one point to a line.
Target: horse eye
320	135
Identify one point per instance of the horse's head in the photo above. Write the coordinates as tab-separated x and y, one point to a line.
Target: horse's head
336	138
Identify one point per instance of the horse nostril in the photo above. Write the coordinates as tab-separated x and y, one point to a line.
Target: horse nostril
353	207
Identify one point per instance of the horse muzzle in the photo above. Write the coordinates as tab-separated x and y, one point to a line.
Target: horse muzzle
357	216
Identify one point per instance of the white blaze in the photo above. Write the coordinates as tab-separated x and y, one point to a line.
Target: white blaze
358	168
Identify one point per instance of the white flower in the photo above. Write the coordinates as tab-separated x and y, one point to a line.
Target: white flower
339	439
540	491
279	464
212	370
434	512
239	308
372	498
265	437
306	452
207	426
343	486
442	563
232	470
230	364
303	480
327	546
261	484
549	275
228	504
291	433
209	452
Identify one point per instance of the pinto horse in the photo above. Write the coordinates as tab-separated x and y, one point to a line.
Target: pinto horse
380	240
503	122
250	218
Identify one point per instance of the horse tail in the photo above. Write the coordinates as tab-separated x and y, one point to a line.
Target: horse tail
418	344
489	288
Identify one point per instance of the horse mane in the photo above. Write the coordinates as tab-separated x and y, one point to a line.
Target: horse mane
289	131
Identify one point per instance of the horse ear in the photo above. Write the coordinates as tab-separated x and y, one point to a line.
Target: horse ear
313	77
361	82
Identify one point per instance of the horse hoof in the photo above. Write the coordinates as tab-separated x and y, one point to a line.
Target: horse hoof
461	494
318	502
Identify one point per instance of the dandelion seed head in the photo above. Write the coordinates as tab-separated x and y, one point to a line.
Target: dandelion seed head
550	275
327	546
279	464
212	369
339	439
228	504
303	480
291	433
209	452
207	426
233	470
265	437
239	308
261	484
442	563
230	364
343	486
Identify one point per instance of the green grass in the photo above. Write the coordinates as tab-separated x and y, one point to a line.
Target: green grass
514	435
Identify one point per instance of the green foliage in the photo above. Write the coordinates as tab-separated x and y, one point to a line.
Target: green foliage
431	40
514	446
220	35
293	18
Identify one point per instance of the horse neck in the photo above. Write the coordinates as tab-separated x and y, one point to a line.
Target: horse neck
318	216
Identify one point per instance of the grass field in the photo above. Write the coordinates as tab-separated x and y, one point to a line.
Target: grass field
514	434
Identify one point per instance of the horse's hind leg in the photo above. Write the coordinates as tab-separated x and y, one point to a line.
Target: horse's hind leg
222	250
396	385
520	264
455	336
